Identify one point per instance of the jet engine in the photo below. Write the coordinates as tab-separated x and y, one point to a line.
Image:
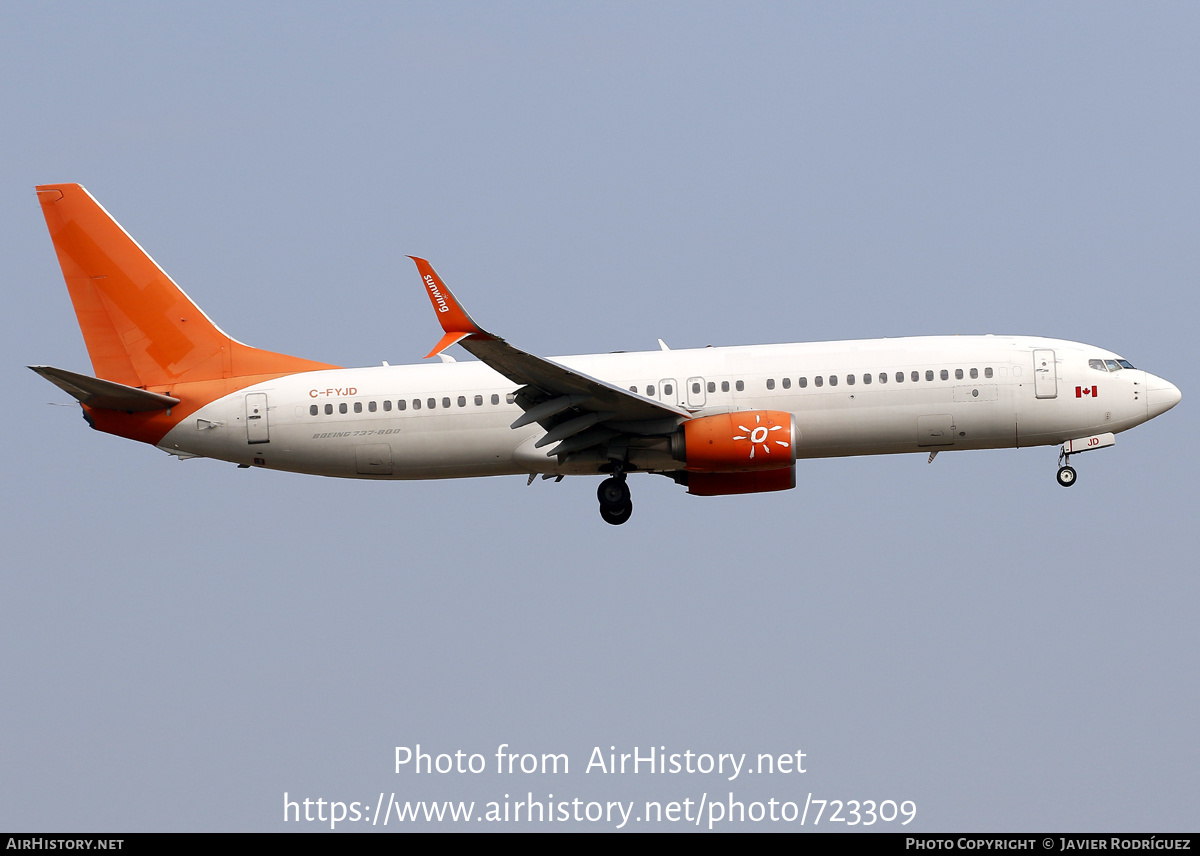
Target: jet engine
747	451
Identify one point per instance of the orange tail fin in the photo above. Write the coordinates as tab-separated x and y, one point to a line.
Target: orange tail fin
139	327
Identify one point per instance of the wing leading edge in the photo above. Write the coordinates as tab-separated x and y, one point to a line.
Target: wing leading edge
578	411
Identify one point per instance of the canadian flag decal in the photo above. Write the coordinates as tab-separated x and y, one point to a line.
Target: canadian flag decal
1081	391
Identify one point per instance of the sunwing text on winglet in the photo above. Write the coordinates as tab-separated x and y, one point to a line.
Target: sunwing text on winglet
455	321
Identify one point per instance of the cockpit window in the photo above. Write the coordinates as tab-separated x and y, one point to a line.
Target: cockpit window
1098	365
1112	365
1125	364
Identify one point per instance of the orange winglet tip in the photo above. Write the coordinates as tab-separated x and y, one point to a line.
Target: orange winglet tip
453	318
446	341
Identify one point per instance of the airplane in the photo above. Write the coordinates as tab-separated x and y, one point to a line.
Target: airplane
718	421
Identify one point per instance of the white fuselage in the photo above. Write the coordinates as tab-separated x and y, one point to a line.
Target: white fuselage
450	420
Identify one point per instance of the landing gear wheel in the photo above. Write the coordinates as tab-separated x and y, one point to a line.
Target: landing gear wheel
613	493
1066	476
616	515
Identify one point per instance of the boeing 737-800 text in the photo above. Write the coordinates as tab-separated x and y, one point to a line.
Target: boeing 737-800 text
716	420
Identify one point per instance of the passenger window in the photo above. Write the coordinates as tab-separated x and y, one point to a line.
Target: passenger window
987	372
819	381
696	388
342	407
899	377
511	398
712	387
974	374
740	386
416	404
945	375
867	377
883	377
401	404
833	380
446	402
479	401
312	411
358	407
633	389
850	380
668	389
770	383
929	374
650	390
803	383
431	403
371	406
724	386
387	406
916	376
958	374
495	398
328	409
787	383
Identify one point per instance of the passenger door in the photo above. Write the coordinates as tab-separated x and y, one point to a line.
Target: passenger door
257	429
1045	374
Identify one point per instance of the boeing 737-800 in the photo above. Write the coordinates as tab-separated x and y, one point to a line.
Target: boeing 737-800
718	421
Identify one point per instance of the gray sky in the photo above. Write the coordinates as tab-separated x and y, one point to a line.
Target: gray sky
183	643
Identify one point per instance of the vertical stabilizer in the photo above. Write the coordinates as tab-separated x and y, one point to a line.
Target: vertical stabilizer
139	327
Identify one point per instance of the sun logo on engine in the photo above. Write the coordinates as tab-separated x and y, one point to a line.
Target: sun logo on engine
758	436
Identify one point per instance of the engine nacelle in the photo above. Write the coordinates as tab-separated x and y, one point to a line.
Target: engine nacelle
745	441
724	484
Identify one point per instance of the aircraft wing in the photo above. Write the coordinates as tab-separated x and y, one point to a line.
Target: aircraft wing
578	411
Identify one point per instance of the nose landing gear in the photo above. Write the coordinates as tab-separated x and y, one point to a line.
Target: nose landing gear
1066	473
616	506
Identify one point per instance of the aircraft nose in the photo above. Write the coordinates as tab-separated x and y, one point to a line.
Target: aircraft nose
1161	395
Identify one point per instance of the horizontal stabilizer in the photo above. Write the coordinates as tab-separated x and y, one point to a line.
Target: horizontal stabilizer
105	394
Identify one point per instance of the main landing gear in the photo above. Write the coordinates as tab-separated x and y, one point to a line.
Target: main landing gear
615	503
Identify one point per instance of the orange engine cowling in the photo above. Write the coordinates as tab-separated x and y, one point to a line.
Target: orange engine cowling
725	484
746	441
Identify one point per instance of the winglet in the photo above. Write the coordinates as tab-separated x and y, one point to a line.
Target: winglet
455	321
